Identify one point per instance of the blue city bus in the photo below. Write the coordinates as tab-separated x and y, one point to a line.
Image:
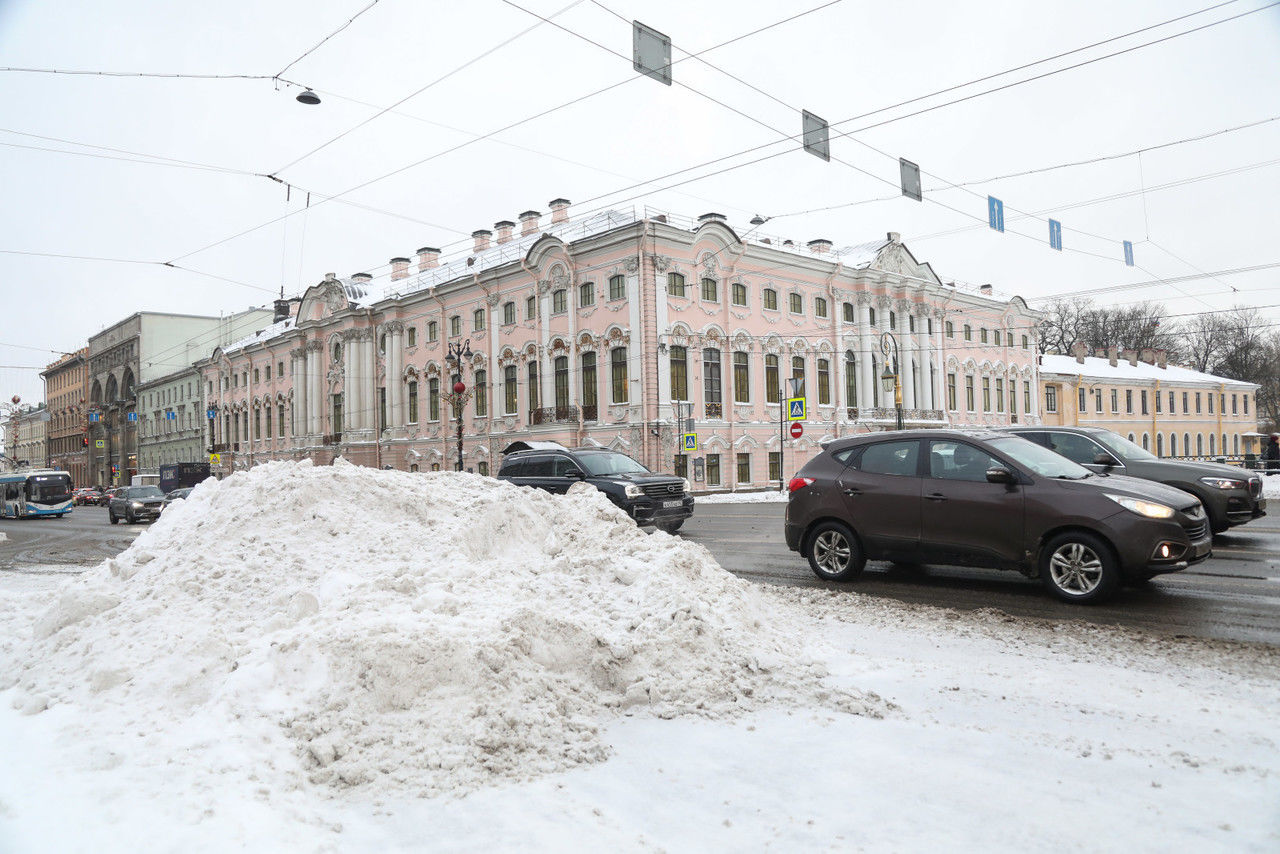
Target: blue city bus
35	493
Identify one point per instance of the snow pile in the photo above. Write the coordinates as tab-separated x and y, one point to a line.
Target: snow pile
416	632
1270	486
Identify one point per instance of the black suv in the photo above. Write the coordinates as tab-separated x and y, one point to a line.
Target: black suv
1230	496
134	503
981	498
651	499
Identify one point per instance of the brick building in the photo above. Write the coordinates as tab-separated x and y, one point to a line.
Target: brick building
66	393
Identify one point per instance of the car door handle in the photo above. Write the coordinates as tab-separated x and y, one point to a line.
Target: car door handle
852	491
936	496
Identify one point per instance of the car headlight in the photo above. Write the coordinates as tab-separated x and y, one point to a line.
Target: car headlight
633	490
136	504
684	484
1150	509
1222	482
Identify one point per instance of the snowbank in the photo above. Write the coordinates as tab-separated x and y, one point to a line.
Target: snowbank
409	633
769	496
1271	486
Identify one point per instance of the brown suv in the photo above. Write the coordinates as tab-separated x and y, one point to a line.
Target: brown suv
981	498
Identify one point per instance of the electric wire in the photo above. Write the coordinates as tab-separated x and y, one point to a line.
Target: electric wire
311	50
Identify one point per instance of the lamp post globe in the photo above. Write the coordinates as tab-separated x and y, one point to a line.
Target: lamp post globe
459	387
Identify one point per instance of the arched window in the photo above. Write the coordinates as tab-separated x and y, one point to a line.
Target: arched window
618	373
1186	444
739	293
847	309
617	287
741	377
850	378
482	393
559	301
561	370
679	362
772	385
587	293
675	284
1173	444
477	319
1146	441
770	299
509	397
1159	444
1199	444
1213	441
824	382
819	307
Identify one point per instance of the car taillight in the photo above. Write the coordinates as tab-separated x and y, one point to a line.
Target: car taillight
798	483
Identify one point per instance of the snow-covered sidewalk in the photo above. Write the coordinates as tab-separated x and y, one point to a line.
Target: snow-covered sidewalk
552	679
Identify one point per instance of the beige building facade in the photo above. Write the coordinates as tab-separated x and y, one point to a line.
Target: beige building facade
1169	410
66	392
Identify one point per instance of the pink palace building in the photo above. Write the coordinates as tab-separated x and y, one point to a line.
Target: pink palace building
609	330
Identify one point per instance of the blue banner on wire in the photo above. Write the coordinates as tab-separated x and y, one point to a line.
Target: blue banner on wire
1055	234
995	213
1128	254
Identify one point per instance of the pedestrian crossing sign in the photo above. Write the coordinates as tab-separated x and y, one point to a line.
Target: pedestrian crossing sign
690	442
215	459
99	443
795	409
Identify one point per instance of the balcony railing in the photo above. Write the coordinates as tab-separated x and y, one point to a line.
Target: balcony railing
553	415
331	438
713	410
590	413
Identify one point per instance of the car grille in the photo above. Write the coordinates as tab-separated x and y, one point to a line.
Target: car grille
664	490
1195	530
1255	486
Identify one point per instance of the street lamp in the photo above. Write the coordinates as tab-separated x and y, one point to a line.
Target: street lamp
459	395
889	344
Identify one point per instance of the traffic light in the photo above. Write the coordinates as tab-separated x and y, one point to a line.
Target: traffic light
84	440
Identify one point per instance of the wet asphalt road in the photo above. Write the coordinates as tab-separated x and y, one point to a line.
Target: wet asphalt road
1235	595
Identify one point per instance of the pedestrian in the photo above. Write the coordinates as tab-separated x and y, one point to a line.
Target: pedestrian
1271	455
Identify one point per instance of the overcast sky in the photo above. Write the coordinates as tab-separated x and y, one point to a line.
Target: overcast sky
842	61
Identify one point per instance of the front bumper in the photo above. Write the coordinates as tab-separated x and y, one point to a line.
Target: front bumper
647	511
1146	547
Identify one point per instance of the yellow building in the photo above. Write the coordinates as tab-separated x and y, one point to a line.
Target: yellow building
1169	410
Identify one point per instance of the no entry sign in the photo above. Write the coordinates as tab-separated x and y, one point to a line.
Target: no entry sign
797	429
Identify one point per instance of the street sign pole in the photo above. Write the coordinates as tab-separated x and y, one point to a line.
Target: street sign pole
782	440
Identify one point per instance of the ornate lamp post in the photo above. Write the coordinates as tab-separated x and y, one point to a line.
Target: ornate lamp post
458	397
889	344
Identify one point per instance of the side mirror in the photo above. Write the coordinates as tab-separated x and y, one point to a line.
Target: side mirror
1106	460
998	474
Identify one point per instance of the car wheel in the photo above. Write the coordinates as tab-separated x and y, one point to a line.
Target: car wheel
129	518
670	527
834	553
1079	567
112	517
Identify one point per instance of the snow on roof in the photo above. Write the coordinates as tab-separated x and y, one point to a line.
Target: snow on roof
264	334
862	255
1099	368
475	632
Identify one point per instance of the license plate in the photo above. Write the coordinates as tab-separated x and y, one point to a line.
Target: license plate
672	505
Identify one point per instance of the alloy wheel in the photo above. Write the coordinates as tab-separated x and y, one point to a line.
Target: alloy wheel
831	552
1076	569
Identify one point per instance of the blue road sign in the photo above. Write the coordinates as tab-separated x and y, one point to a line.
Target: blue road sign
171	416
995	213
795	409
93	416
211	413
691	441
1128	254
1055	234
132	416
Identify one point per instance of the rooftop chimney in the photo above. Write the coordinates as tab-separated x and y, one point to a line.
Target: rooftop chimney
1148	355
1130	356
361	277
428	257
504	230
1079	350
282	311
985	290
559	210
895	237
482	239
529	222
330	277
820	246
1113	356
712	217
1162	358
399	269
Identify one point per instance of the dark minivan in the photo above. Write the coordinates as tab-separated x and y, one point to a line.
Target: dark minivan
662	500
983	498
1230	496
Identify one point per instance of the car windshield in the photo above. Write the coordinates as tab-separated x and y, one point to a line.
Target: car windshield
1039	459
1122	447
180	493
604	464
144	492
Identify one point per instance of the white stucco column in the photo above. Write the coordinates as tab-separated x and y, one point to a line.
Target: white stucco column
866	342
315	375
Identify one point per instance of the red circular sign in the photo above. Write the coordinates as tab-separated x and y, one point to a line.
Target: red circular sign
797	429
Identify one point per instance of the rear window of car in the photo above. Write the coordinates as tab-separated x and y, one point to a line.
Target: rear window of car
539	467
512	468
896	458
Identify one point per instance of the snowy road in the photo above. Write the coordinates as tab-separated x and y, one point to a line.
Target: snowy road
1235	595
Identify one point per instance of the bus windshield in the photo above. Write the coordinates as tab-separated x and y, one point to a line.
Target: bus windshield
48	488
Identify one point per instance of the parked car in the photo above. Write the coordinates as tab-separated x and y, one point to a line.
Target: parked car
175	495
87	495
982	498
1231	496
104	496
134	503
662	500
